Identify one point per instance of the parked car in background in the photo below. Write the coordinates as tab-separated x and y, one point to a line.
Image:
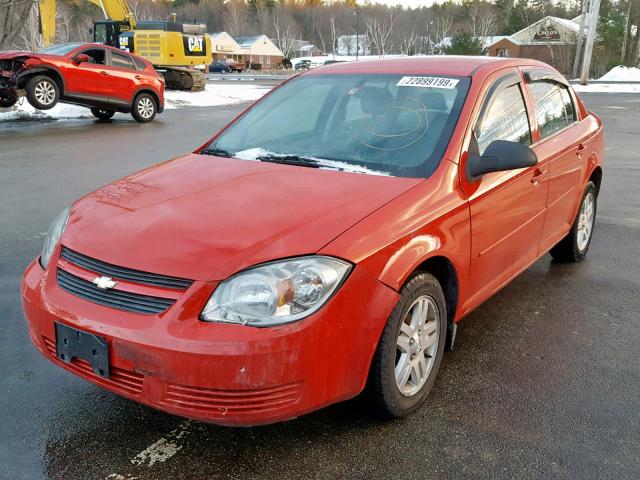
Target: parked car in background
226	65
303	65
325	243
105	79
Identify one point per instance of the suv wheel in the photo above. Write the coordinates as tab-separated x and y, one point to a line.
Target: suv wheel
8	100
102	114
410	351
144	108
43	92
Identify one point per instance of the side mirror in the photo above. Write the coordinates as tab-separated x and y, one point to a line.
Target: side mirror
81	58
499	156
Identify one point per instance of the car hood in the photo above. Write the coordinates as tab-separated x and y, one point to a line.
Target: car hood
205	218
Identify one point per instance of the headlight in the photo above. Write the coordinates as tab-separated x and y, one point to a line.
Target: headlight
53	236
276	293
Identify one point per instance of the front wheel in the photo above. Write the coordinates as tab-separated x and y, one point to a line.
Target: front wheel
8	101
144	108
42	92
575	245
102	114
411	348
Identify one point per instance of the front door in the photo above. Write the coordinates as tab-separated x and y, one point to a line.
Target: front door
88	80
507	208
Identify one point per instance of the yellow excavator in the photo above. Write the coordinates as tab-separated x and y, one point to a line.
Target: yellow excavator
175	49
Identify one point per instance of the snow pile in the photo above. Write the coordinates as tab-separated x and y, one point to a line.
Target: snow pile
24	111
215	95
622	74
255	153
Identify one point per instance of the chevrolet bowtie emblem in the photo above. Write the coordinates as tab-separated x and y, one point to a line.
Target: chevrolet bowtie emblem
104	283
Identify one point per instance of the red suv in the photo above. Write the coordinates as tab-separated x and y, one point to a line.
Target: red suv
105	79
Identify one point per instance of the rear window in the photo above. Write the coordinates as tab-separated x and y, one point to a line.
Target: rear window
140	64
120	60
397	125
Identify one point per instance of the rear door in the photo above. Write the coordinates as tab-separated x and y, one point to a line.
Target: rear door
88	80
123	78
507	208
560	137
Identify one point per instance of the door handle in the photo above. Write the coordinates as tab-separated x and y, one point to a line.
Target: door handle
580	149
103	73
537	176
138	77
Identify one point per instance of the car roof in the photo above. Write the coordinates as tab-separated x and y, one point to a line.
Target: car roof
461	66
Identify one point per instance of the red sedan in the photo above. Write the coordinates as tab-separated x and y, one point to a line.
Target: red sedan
325	243
105	79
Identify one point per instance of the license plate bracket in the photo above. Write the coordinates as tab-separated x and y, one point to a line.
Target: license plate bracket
73	343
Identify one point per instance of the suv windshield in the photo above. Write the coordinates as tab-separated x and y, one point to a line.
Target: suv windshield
61	49
396	125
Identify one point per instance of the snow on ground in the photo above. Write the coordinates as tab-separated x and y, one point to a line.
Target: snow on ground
607	88
317	61
622	74
213	95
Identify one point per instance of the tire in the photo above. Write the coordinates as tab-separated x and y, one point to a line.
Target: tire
8	100
144	108
390	396
574	247
102	114
43	92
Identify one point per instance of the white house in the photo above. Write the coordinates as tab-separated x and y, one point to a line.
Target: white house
350	44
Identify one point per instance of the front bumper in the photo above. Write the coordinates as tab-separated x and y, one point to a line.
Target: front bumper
220	373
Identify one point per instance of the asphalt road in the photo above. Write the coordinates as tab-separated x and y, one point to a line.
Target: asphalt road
544	381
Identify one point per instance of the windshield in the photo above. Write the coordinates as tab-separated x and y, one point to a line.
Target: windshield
61	49
396	125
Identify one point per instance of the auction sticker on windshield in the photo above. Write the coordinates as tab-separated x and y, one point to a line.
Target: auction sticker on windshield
431	82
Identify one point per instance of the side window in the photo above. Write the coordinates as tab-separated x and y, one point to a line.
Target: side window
96	56
554	107
568	104
506	119
122	61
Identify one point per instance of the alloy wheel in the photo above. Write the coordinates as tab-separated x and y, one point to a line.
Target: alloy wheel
146	107
45	93
585	221
417	345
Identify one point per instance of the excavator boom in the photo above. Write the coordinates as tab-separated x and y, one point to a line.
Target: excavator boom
117	10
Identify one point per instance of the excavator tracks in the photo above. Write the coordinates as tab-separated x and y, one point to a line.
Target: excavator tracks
185	79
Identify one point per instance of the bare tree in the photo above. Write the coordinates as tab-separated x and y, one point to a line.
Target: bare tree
379	31
13	15
283	38
237	20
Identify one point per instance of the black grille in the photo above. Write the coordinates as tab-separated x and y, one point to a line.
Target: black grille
121	273
130	302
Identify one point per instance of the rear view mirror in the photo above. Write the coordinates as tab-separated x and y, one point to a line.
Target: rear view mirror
499	156
81	58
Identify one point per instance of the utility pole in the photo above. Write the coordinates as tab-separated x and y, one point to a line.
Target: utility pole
576	61
591	38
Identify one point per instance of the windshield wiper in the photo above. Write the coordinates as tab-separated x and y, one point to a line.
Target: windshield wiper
290	160
218	152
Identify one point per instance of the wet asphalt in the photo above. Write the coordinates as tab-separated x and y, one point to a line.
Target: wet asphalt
544	381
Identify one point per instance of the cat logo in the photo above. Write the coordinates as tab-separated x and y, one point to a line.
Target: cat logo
195	44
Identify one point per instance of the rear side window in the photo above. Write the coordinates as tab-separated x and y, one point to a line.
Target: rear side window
554	107
122	61
506	119
140	65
